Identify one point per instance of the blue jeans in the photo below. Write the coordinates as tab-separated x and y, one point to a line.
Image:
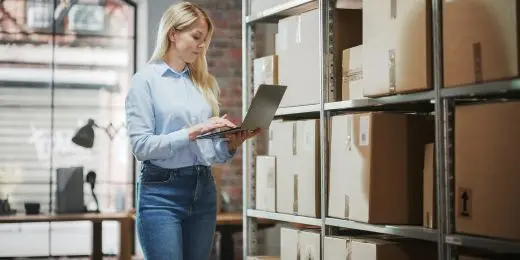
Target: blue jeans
176	212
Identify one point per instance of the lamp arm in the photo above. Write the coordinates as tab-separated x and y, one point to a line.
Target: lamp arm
110	130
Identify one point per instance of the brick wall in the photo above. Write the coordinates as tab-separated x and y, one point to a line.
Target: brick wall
225	61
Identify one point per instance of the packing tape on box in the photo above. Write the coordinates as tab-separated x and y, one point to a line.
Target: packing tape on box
348	255
298	253
347	206
428	220
391	71
393	9
477	62
270	177
299	30
307	255
350	130
294	139
295	194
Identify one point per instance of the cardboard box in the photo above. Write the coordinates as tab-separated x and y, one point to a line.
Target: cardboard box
289	243
396	46
352	64
309	244
429	195
487	54
376	164
299	59
300	244
296	147
266	183
281	147
376	248
278	143
349	4
265	71
487	145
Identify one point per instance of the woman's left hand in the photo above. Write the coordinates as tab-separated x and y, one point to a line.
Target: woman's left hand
236	139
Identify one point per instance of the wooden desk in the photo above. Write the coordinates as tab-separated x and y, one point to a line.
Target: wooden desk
125	220
227	225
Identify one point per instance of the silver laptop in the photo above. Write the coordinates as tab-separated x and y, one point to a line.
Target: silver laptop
260	113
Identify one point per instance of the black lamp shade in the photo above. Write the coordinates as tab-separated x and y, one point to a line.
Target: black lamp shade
85	135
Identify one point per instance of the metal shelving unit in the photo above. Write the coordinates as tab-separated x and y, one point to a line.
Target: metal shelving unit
439	100
298	110
284	217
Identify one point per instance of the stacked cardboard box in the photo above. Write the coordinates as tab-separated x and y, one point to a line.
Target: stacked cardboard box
300	244
295	144
487	145
265	70
480	41
299	59
376	163
376	247
266	183
397	44
396	54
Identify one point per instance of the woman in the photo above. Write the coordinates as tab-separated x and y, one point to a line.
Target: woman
171	101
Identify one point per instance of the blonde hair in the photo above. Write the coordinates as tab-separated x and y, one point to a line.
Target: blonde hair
179	17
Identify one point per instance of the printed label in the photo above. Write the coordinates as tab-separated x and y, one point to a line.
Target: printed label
364	130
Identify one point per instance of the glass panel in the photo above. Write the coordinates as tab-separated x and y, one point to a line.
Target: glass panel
25	105
51	83
25	120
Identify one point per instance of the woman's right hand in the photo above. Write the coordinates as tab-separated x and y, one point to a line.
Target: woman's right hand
208	126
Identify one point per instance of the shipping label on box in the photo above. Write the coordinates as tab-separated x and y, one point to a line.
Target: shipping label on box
352	68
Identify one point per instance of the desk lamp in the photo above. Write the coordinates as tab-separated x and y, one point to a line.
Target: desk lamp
85	135
85	138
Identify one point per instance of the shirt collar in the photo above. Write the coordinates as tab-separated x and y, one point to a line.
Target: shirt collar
164	69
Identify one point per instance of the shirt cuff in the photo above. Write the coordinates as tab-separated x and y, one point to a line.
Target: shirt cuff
222	147
179	139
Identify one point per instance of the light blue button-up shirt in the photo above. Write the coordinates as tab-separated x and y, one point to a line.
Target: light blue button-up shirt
161	104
